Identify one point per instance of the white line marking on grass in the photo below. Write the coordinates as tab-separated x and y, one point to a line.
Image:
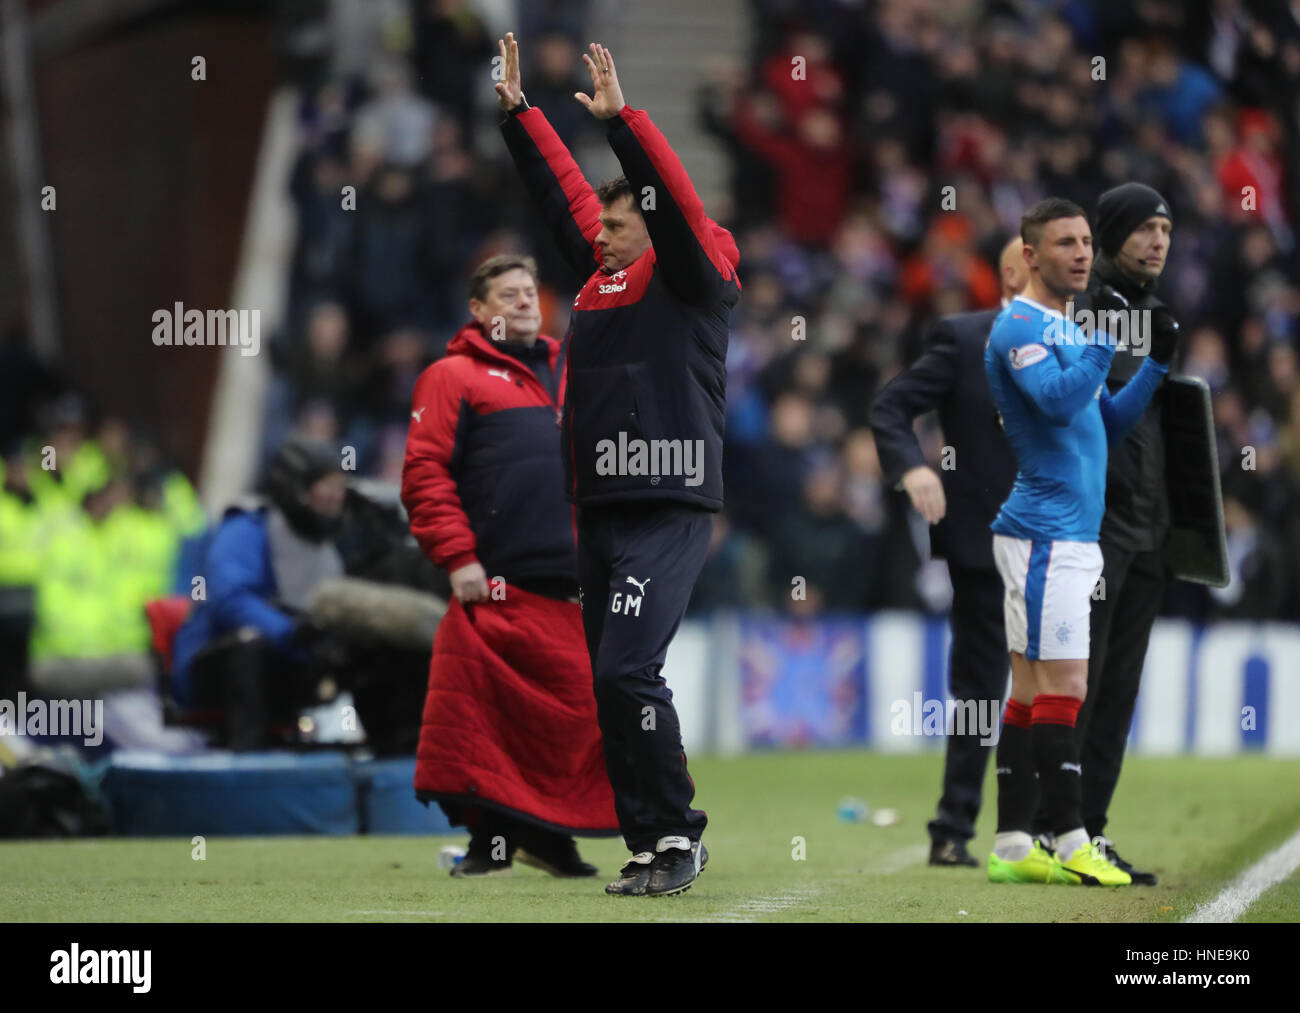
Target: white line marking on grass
418	914
748	911
903	858
1270	870
761	906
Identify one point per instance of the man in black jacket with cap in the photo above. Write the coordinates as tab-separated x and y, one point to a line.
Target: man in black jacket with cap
1134	224
961	504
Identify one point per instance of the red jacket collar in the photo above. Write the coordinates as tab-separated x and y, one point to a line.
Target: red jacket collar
472	341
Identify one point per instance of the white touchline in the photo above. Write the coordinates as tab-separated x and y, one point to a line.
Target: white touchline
1239	895
749	910
419	914
902	858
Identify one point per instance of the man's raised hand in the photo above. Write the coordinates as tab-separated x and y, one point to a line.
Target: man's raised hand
607	96
510	92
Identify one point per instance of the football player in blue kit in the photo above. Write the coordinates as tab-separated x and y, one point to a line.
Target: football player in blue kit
1047	375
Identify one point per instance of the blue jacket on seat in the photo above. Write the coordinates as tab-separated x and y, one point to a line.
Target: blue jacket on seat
240	585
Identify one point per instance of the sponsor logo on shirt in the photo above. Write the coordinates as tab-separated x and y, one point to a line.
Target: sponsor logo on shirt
1027	355
618	275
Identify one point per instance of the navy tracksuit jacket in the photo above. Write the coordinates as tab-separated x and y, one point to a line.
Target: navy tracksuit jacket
642	440
481	455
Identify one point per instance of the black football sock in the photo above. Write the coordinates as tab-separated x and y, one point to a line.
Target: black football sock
1017	785
1056	756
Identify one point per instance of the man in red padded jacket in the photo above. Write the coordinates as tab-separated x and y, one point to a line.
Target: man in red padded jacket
510	745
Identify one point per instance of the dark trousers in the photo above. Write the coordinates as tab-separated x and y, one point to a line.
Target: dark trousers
978	668
1121	628
660	546
486	825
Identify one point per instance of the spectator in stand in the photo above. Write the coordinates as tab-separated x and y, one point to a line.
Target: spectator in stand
729	579
452	48
822	561
768	482
314	374
324	226
864	489
802	77
753	181
1251	174
1178	92
1255	562
385	393
947	258
552	81
459	207
389	267
320	369
809	145
396	122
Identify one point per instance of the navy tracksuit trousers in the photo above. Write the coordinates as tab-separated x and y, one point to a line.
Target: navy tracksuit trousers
978	669
637	565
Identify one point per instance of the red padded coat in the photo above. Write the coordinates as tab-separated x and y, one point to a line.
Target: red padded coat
510	717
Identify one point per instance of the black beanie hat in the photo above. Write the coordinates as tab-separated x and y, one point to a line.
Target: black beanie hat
299	463
1122	209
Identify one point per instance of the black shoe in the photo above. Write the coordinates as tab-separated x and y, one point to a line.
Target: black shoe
558	856
634	877
951	852
675	869
1139	878
482	858
478	864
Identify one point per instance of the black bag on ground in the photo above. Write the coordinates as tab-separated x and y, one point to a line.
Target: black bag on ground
41	800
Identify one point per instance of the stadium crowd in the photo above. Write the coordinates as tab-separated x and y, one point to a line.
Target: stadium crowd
849	249
851	244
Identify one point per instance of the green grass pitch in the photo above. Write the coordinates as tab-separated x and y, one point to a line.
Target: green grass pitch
1196	822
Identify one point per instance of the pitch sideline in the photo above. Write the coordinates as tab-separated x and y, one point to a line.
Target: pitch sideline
1237	897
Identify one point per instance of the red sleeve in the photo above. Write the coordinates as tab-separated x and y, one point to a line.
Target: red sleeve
563	196
693	263
429	492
